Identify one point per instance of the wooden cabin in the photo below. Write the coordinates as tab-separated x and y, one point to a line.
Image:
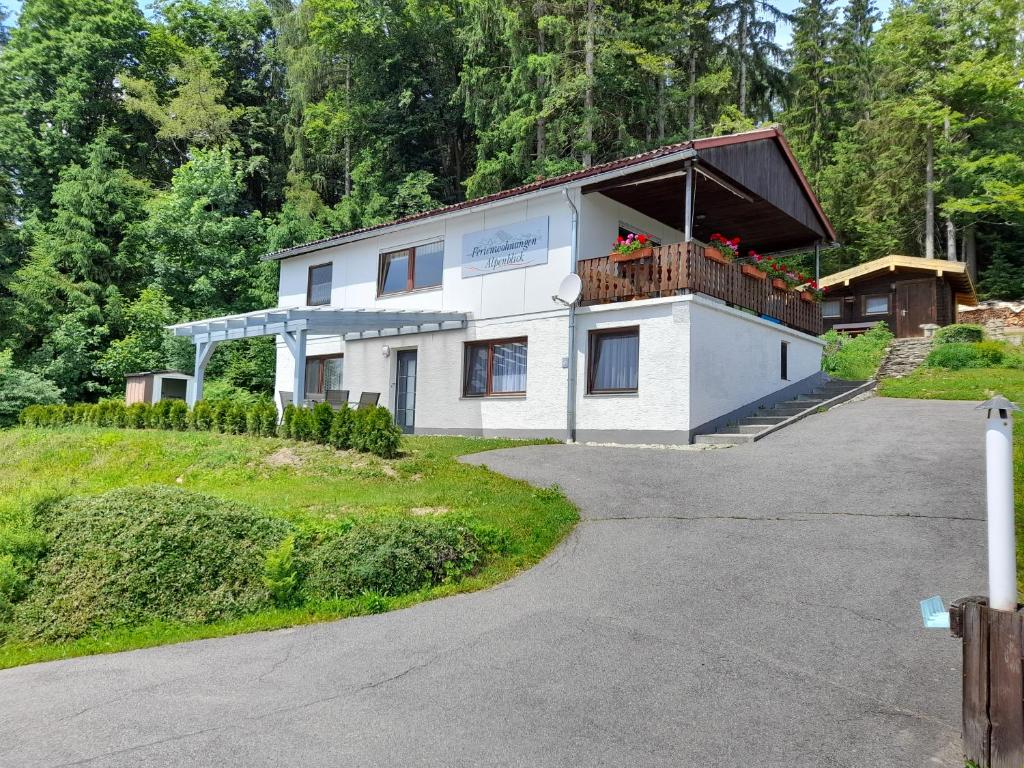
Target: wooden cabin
154	386
907	293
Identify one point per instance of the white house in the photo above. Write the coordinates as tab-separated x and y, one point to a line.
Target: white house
449	315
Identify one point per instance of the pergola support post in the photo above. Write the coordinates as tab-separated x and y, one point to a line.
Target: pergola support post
203	351
296	342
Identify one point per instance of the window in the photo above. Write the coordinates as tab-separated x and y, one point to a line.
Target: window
318	290
411	268
495	368
784	360
323	373
832	308
626	231
614	360
876	305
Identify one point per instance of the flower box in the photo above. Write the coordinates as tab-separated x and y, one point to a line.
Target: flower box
779	284
640	253
807	296
751	271
715	255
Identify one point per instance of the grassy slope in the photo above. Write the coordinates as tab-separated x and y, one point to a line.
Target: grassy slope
976	384
283	478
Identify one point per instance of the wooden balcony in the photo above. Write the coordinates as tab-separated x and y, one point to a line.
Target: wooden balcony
676	269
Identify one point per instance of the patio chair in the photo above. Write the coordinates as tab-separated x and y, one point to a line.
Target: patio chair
337	398
368	400
286	398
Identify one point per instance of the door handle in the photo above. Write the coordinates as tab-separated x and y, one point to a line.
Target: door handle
903	313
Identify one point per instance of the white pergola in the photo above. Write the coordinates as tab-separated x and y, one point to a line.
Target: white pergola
294	323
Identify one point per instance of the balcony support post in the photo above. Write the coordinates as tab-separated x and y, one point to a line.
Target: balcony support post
688	205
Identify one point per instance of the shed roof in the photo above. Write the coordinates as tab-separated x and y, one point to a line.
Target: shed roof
654	157
955	272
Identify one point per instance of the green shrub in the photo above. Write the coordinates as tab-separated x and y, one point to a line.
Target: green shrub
341	428
137	415
374	431
223	391
135	555
177	415
321	418
20	389
956	356
221	408
302	424
855	357
287	419
961	333
280	573
389	555
235	421
268	419
252	420
201	416
46	416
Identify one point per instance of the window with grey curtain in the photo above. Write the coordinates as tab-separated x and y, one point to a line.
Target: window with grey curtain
615	361
509	367
495	368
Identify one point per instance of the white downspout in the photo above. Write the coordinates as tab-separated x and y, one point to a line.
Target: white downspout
570	409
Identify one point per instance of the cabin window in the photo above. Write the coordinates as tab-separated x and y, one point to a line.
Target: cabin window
495	368
318	289
877	304
323	373
411	269
832	308
784	360
614	360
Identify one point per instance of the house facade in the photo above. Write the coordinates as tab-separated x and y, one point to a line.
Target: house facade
454	318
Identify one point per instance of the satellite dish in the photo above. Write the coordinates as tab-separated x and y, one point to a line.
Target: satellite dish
570	289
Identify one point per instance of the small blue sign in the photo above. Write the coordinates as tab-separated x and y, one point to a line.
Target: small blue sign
934	613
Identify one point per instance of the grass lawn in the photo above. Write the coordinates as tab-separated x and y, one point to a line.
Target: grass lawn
976	384
298	481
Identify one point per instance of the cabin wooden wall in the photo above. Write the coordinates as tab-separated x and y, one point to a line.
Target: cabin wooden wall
940	309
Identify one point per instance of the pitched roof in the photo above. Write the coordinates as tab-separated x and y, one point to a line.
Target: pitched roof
954	271
665	153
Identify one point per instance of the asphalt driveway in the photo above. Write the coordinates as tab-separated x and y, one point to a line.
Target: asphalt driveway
755	606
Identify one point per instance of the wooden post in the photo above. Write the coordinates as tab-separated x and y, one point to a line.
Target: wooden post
993	682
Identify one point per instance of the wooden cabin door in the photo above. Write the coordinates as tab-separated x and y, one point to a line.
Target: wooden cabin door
915	306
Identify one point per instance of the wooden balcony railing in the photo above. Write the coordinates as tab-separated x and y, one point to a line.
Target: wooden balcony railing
675	269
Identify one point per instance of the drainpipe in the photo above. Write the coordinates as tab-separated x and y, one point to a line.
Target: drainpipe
570	408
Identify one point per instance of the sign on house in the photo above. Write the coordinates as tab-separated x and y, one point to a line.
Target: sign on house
512	246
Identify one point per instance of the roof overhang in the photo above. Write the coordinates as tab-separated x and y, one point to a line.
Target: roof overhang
350	323
653	162
955	272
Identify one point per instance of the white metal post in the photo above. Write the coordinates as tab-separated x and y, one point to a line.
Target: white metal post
203	351
1002	545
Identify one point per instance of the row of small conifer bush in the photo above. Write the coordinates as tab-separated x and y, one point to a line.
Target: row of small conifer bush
370	430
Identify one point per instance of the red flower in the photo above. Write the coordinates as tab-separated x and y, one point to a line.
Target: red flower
642	238
619	240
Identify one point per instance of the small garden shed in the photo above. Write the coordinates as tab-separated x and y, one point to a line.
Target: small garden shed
154	386
906	293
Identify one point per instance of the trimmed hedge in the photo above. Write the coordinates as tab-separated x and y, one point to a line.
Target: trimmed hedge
371	430
955	356
959	333
133	556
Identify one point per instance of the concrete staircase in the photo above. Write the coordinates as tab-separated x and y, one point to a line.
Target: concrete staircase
767	420
903	356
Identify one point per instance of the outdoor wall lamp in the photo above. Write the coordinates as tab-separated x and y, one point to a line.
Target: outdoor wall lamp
385	350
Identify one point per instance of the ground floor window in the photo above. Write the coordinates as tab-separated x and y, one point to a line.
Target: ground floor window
877	304
614	360
323	373
832	308
495	368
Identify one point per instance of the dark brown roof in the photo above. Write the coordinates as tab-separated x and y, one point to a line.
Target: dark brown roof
567	178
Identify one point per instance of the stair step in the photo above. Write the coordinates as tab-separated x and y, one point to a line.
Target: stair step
749	429
724	438
764	421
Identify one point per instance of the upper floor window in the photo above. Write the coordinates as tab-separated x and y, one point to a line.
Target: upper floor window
411	269
318	291
876	305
